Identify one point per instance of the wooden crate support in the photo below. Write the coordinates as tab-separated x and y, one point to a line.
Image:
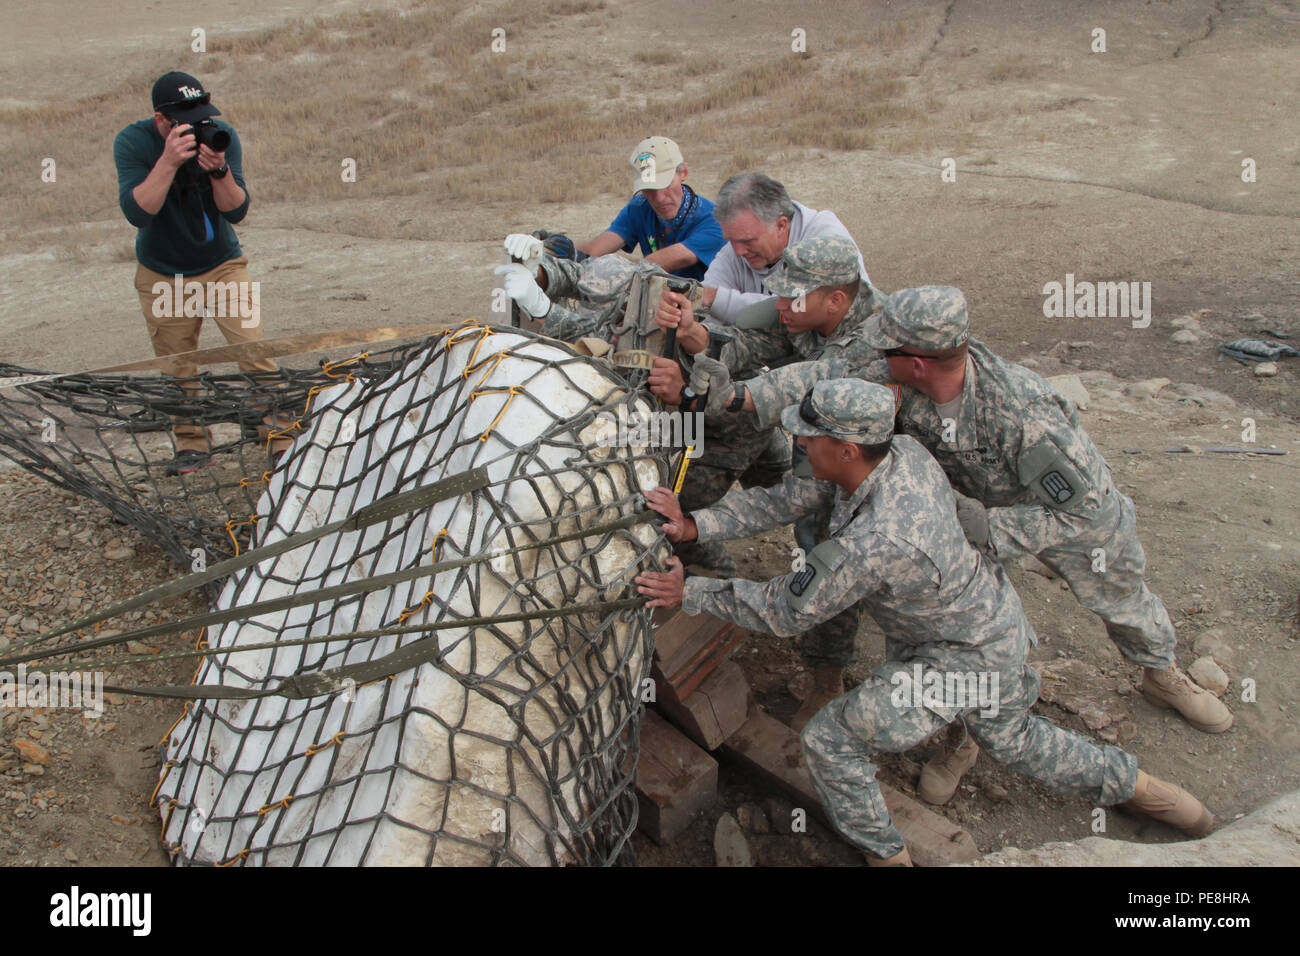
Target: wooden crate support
676	781
713	711
770	749
688	648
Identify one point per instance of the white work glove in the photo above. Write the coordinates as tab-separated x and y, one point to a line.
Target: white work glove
521	285
974	519
710	376
527	249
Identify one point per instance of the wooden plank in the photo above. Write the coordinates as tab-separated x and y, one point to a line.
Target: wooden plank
716	710
676	781
682	629
700	657
770	749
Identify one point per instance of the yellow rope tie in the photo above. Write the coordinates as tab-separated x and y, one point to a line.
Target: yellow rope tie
512	391
483	335
329	367
242	854
232	525
282	805
246	482
495	360
428	595
332	742
169	764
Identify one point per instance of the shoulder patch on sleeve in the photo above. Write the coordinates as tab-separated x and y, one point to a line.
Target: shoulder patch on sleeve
1053	478
821	562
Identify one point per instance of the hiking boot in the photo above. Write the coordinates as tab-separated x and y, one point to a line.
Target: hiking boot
1175	690
943	771
902	858
828	683
187	462
1171	805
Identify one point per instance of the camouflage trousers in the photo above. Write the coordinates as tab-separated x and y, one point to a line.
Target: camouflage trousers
733	451
840	740
1135	618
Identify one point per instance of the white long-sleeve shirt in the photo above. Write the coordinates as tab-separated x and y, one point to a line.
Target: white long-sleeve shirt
739	284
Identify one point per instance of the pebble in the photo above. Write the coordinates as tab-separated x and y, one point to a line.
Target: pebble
1072	388
70	855
31	752
1184	337
995	791
1211	644
33	769
119	553
1265	369
800	686
730	848
1147	388
1185	322
1209	675
31	625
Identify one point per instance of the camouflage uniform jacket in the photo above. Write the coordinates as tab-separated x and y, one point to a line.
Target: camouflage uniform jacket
1010	426
597	284
753	348
896	545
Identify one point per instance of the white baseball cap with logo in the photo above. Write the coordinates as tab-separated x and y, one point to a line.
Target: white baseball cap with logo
654	163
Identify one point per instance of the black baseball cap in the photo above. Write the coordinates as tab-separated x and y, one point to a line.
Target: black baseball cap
182	97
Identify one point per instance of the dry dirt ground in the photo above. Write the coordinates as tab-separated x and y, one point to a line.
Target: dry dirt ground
1116	165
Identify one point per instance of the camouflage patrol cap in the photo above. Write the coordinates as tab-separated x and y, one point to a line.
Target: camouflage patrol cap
812	263
928	317
849	409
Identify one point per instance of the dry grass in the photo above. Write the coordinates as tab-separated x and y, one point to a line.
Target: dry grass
1016	68
425	108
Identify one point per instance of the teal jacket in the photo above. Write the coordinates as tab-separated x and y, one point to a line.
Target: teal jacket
170	241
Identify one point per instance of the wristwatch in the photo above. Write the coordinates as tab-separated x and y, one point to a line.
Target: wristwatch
219	173
738	397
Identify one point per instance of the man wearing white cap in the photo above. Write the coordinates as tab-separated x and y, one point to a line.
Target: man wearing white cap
671	224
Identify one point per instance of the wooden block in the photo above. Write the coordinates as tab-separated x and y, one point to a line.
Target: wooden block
676	781
714	711
688	648
769	748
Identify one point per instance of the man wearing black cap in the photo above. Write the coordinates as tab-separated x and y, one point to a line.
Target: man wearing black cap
183	196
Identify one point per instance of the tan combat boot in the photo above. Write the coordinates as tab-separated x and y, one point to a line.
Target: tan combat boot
828	683
943	771
902	858
1174	689
1170	804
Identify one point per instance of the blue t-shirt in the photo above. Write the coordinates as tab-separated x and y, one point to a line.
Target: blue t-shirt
640	226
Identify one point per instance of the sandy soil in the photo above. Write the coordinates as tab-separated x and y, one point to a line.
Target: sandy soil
1124	165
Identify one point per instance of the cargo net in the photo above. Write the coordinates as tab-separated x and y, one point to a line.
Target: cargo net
109	437
514	740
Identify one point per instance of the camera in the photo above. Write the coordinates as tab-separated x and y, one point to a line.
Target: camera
208	133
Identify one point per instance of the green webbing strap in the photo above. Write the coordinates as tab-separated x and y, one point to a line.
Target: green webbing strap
381	510
303	686
319	595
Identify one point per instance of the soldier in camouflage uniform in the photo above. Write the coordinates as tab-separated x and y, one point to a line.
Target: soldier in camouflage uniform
821	301
735	449
947	611
1037	484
